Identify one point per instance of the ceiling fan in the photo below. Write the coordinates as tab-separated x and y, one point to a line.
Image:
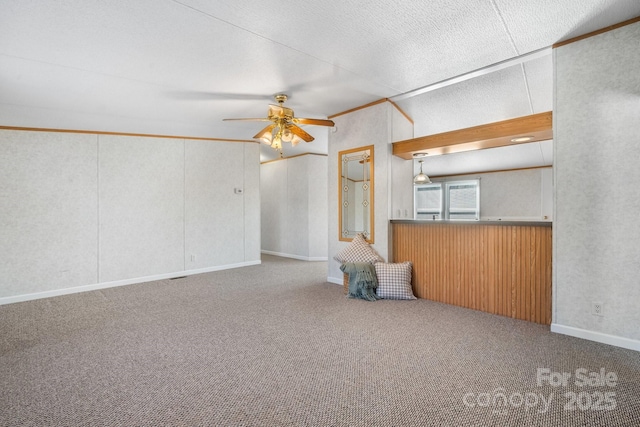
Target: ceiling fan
284	126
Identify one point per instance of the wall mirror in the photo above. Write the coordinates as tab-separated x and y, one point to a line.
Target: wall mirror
355	178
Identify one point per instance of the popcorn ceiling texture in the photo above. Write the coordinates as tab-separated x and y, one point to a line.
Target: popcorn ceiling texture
179	67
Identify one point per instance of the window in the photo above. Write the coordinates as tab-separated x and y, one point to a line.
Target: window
428	201
463	200
454	200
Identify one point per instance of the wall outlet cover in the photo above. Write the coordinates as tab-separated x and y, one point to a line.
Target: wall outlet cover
597	309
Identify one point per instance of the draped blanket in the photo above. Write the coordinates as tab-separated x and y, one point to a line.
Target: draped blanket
362	280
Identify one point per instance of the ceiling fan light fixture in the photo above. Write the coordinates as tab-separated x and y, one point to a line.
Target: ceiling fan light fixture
287	135
285	127
296	140
266	138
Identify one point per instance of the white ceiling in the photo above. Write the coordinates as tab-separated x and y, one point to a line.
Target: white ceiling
179	67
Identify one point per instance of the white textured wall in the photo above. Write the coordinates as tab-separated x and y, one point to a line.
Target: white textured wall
141	206
401	170
82	211
525	195
48	211
273	208
296	230
251	210
294	207
318	212
378	125
212	225
518	195
596	227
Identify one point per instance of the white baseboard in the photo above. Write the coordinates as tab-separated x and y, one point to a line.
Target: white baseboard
299	257
115	283
596	336
336	280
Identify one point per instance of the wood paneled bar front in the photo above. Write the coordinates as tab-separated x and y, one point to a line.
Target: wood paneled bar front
499	267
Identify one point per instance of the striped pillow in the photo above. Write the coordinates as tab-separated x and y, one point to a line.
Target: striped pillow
358	251
394	280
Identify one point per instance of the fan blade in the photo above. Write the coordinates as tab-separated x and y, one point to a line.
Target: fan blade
264	131
299	132
248	120
316	122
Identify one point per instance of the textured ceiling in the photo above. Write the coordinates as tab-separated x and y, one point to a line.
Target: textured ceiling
180	67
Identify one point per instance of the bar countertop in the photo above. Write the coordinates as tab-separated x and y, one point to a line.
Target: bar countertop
541	223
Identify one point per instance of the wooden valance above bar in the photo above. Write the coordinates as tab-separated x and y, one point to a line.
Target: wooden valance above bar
498	134
497	268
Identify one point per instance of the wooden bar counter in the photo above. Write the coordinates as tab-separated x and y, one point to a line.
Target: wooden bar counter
500	267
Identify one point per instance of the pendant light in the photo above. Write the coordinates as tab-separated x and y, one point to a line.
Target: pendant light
421	178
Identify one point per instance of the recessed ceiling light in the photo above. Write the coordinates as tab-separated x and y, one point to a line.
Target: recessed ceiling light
522	139
418	155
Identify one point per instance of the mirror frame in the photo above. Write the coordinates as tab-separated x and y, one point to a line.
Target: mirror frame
341	161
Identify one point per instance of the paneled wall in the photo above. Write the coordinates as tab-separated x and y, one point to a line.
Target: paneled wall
499	269
48	211
294	207
141	206
84	211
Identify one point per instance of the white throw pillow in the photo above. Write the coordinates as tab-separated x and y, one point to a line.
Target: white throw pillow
358	251
394	280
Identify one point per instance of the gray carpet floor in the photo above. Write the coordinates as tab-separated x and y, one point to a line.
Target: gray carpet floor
275	345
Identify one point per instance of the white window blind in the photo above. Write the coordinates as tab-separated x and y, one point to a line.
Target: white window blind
463	200
450	200
428	201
